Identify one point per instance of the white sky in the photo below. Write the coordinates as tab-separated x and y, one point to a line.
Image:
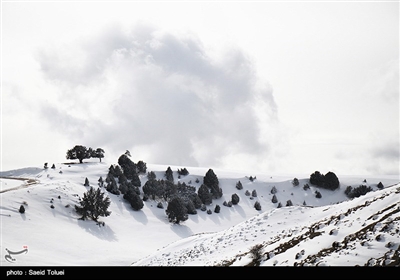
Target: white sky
274	87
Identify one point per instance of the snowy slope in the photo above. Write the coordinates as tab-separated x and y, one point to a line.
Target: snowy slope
364	231
55	236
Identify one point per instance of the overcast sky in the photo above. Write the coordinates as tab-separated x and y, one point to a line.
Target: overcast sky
272	87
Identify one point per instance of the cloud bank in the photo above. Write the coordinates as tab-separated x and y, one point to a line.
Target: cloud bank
161	96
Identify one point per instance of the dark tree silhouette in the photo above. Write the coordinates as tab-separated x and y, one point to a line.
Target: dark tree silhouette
78	152
204	194
134	199
98	153
212	182
176	211
169	174
93	204
235	199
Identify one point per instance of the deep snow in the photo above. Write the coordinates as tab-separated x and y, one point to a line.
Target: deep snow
55	236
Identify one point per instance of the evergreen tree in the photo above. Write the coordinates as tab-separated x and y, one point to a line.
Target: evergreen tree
204	194
190	207
141	166
317	178
254	193
21	209
123	188
331	181
86	184
169	175
196	200
93	205
318	194
122	179
274	199
176	211
289	203
279	205
134	199
112	186
380	185
247	193
101	182
217	208
212	182
135	180
328	181
128	167
257	205
151	175
274	190
183	172
150	188
160	205
239	185
235	199
295	182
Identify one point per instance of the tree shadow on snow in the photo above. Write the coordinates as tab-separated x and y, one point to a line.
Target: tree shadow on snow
99	231
181	230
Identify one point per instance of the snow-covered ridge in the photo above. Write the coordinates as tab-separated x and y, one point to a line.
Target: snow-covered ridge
364	231
55	236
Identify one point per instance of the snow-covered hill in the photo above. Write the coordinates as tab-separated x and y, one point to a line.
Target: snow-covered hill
365	228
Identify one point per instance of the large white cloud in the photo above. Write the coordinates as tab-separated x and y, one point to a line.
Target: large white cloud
161	96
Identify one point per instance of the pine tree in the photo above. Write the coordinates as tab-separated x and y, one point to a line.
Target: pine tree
151	175
93	205
101	182
190	207
176	211
86	182
274	199
254	193
204	194
212	182
217	208
235	199
128	167
22	209
239	185
169	174
274	190
257	205
134	199
141	166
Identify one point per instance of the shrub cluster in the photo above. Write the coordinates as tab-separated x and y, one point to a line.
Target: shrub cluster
357	191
